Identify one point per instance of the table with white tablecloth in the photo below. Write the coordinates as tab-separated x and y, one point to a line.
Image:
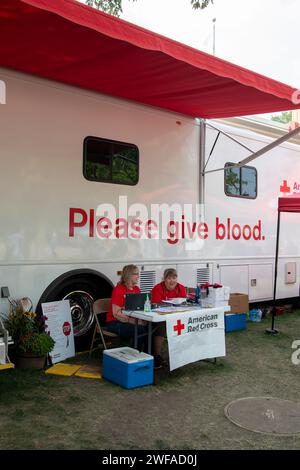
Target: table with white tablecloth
193	333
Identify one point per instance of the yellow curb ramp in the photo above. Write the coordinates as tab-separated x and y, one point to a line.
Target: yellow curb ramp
89	372
78	370
9	365
63	369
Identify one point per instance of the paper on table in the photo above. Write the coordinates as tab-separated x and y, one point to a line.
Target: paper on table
165	310
175	301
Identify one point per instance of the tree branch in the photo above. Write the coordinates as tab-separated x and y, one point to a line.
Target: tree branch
114	7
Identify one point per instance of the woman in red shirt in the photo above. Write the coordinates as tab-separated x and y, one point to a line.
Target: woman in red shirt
116	320
168	289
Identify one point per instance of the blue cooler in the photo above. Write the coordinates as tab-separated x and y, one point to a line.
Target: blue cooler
127	367
235	322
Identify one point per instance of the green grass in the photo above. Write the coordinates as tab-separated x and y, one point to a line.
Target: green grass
42	411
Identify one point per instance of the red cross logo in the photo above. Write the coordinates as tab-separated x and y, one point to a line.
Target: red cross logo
178	327
285	188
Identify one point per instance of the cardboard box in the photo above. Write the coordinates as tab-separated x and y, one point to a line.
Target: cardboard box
239	303
127	367
235	322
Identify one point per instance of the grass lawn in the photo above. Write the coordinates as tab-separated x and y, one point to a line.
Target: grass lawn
185	410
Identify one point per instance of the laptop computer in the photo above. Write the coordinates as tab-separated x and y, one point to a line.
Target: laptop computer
135	301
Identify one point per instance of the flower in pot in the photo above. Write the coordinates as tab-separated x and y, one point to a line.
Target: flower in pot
31	342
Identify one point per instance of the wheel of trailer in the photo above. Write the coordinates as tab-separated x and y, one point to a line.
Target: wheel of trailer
81	287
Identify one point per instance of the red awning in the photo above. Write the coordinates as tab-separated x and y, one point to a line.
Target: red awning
289	203
66	41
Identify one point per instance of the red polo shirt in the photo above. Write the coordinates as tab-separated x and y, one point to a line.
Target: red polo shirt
160	293
118	298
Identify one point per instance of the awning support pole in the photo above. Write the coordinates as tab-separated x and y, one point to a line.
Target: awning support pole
202	161
271	330
260	152
213	148
230	137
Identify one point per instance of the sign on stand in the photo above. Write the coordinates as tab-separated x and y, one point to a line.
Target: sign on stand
59	325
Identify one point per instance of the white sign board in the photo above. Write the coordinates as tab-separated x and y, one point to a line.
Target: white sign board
59	325
195	335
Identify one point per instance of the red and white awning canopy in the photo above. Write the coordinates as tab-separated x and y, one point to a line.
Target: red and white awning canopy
289	203
66	41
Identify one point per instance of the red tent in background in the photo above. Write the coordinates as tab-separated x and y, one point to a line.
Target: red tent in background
285	204
66	41
289	203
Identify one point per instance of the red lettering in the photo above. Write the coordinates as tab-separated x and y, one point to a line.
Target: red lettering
257	231
104	224
182	228
203	231
295	188
172	235
72	223
148	229
191	229
135	224
121	226
220	227
237	231
236	236
92	221
247	237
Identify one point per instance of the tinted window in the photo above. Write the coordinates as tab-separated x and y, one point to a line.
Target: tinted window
232	182
110	161
241	182
248	182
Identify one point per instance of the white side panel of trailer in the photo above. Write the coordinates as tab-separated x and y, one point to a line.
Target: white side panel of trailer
42	129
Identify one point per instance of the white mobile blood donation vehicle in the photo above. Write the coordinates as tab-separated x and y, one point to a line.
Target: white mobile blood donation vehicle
67	149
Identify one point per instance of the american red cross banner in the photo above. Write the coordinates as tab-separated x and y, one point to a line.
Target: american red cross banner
194	335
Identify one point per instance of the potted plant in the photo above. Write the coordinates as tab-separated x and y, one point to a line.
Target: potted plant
31	342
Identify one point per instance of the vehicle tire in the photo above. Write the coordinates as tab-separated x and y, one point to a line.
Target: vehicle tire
81	287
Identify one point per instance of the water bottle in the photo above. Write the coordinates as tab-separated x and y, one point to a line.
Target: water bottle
147	304
255	315
197	294
203	293
258	315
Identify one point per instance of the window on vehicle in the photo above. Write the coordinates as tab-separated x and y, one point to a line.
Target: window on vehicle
109	161
240	182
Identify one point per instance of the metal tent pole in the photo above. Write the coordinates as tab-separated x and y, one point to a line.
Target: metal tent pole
271	330
202	162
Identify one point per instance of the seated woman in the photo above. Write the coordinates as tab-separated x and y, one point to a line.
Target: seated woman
168	289
117	321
